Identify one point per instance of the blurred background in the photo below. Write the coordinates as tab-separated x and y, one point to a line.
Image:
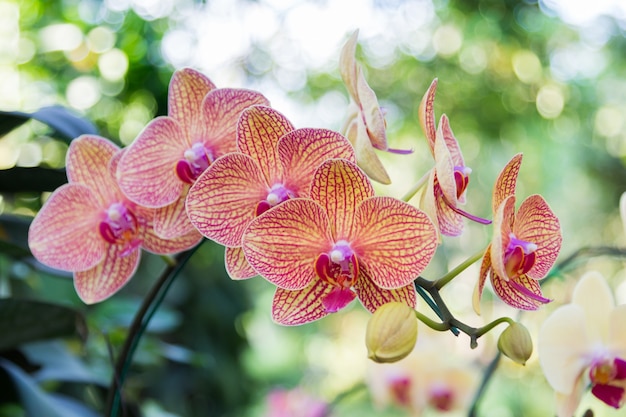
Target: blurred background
544	78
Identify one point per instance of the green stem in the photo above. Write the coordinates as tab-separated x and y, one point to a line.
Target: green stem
441	327
355	389
441	282
418	185
487	327
489	371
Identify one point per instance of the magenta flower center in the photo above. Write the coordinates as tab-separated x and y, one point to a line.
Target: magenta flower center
519	256
608	380
441	397
275	195
120	226
400	388
340	268
461	177
195	160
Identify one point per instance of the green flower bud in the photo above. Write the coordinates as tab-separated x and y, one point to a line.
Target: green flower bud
391	332
515	343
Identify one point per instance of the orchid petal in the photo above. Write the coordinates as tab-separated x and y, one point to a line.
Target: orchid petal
506	181
302	151
372	296
108	277
292	308
348	65
566	404
338	299
186	91
535	222
283	244
520	292
371	113
451	142
502	221
258	132
617	335
395	240
593	294
171	221
156	244
340	186
485	267
221	110
64	234
366	157
444	166
426	114
223	200
449	222
563	344
237	265
146	173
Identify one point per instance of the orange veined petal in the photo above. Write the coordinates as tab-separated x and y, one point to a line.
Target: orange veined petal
156	244
485	268
147	171
426	114
348	65
258	132
394	240
521	292
535	222
451	142
283	243
502	222
64	234
221	109
108	277
187	89
506	181
449	222
444	166
371	113
87	162
366	158
292	308
372	296
172	221
340	186
224	199
237	265
302	151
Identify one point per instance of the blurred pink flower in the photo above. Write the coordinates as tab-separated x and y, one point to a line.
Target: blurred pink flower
295	403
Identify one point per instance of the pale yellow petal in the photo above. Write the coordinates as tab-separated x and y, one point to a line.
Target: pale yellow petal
593	294
617	331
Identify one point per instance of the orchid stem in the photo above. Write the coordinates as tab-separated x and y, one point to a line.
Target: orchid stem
441	327
487	327
441	282
418	185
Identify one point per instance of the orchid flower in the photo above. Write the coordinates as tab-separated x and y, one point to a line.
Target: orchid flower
172	151
524	247
341	243
295	403
583	344
365	127
449	179
275	162
90	228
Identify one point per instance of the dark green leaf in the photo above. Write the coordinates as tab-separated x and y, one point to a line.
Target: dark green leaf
38	179
24	321
63	121
14	233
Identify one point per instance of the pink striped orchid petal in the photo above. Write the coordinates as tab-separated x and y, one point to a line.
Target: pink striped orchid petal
237	265
108	277
535	222
485	267
283	244
186	92
64	235
371	113
302	151
156	244
171	221
394	240
521	292
348	65
372	296
426	115
506	181
340	186
366	157
258	132
147	171
292	308
444	167
451	142
450	221
502	222
221	110
224	199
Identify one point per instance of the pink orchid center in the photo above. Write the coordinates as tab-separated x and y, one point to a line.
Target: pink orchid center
120	226
461	177
519	256
195	160
608	379
441	397
275	195
340	268
400	388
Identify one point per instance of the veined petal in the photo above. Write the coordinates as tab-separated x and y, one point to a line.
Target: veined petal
171	221
87	162
108	277
506	181
237	265
520	292
221	110
371	113
450	223
593	294
302	151
563	346
223	200
348	65
366	157
186	91
426	114
444	166
64	234
292	308
258	132
155	244
394	240
451	142
372	296
147	171
535	222
502	221
485	267
339	187
283	243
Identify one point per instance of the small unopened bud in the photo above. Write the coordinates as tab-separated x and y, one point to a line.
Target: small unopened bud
391	333
515	343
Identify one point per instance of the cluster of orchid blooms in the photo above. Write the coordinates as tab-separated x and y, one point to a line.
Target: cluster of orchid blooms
293	205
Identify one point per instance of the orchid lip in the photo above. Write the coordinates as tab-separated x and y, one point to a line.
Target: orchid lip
276	195
519	256
120	226
340	268
194	162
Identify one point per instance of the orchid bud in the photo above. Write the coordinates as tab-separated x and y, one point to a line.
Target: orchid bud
391	333
515	343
